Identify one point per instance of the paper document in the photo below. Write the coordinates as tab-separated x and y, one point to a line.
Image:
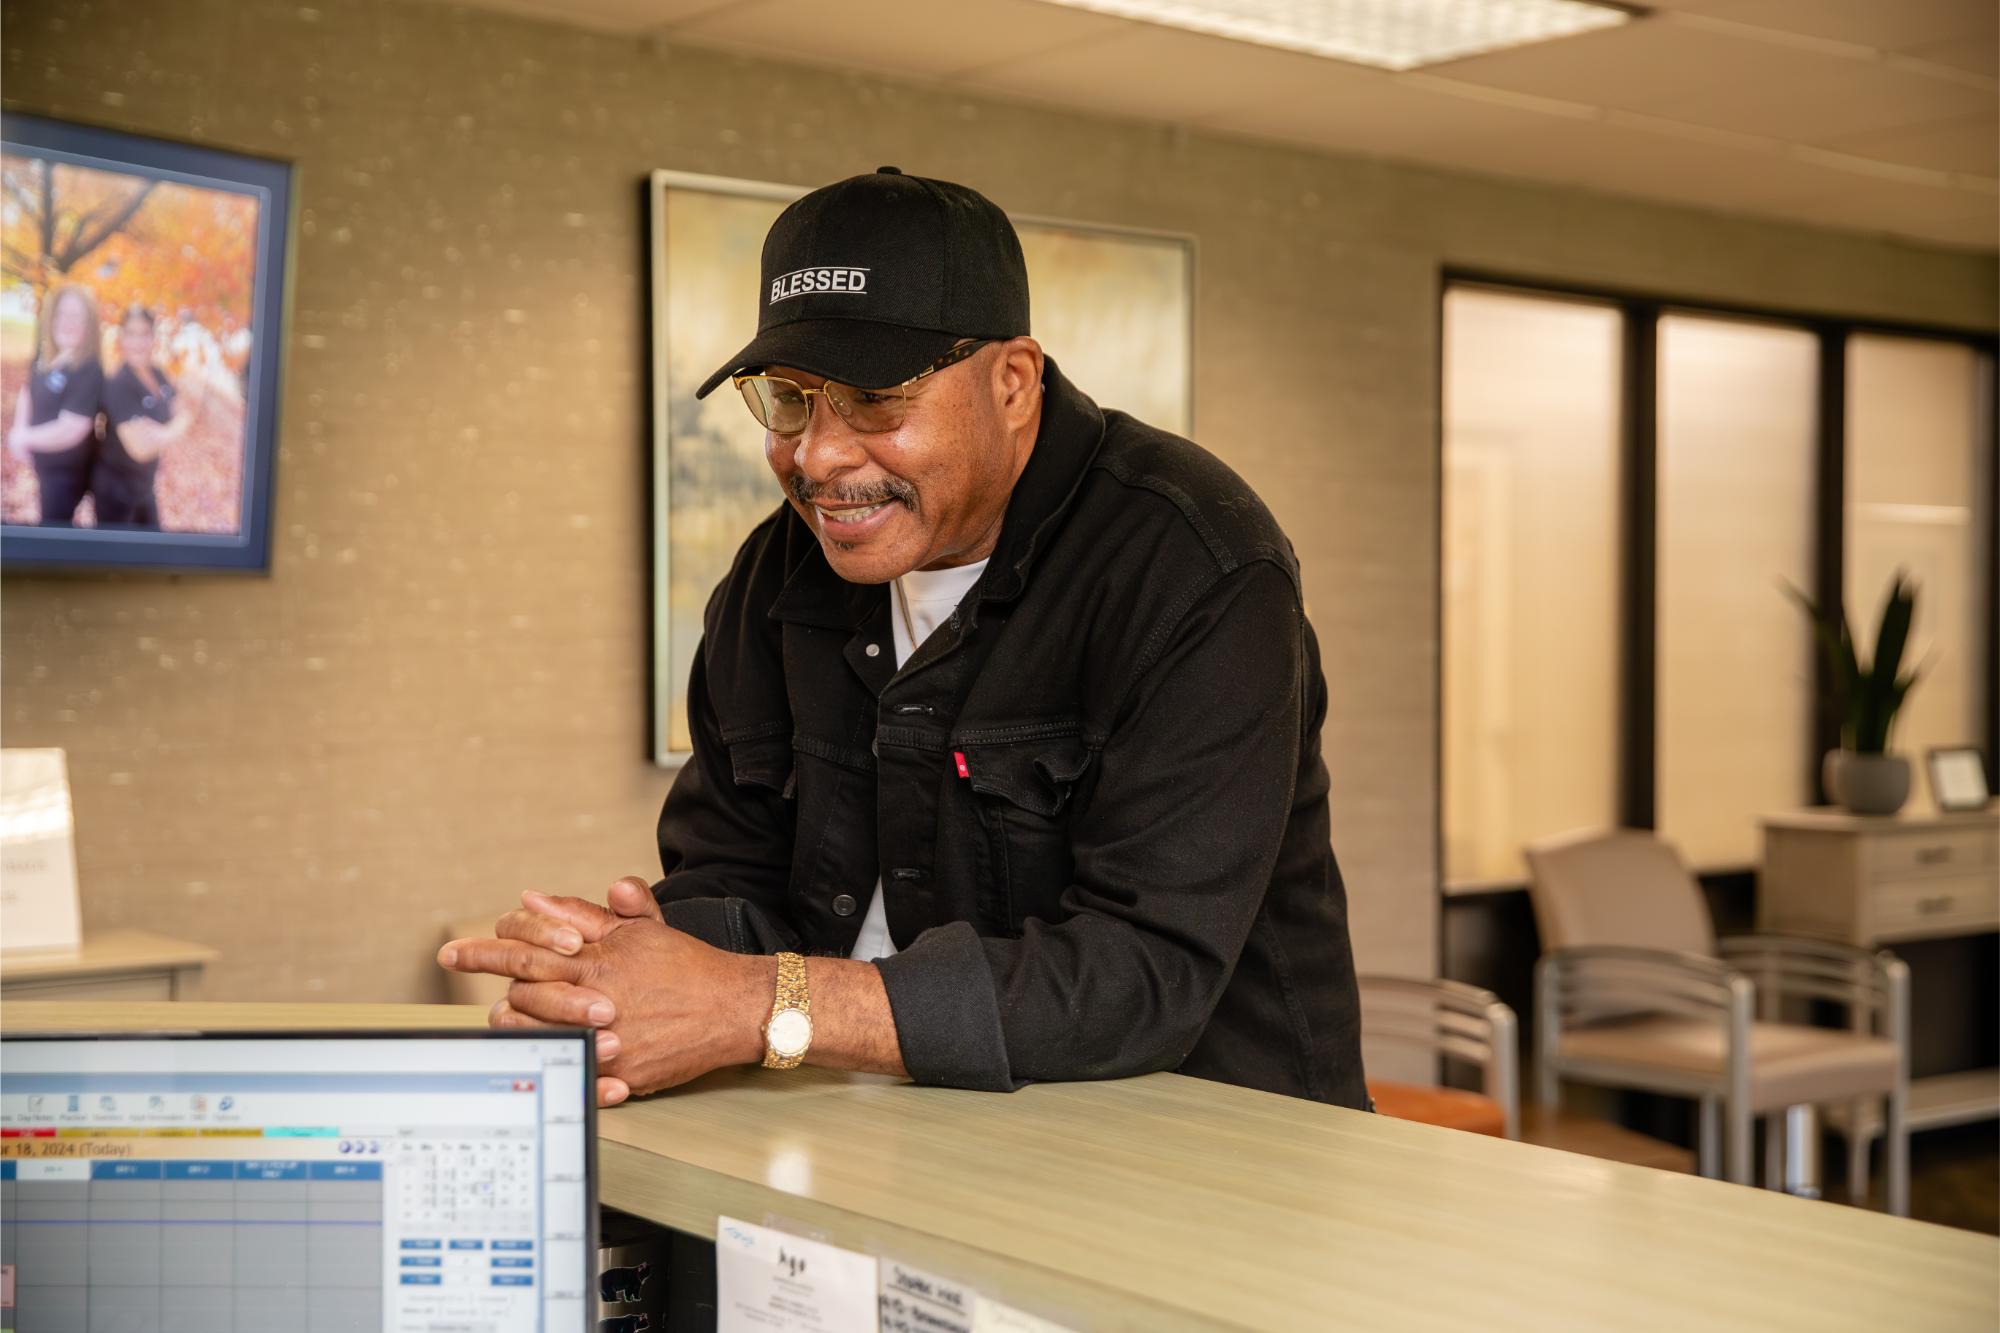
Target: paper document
767	1280
37	852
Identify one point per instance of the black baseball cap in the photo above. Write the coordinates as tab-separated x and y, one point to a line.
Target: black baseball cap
869	280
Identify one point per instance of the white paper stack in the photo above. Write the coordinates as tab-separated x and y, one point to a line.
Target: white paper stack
38	904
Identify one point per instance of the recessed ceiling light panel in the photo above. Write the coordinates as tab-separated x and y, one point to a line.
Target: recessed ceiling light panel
1388	34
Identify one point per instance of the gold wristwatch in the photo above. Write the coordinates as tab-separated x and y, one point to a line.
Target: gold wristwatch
788	1032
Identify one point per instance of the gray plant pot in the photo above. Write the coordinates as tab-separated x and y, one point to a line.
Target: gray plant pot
1867	784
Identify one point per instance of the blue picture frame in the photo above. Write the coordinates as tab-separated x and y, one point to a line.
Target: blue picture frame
248	549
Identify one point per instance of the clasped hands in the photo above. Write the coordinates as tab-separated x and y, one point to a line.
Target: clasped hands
666	1006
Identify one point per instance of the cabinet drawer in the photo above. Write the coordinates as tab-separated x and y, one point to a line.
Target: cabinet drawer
1939	905
1959	851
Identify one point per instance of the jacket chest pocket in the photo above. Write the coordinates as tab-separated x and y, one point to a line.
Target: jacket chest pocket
764	761
1027	794
833	849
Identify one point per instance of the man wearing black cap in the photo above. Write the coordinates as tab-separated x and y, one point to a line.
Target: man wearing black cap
1006	759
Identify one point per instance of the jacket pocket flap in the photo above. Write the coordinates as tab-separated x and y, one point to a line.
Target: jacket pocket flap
1035	775
764	762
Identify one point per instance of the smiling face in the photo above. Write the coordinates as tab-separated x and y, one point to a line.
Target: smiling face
929	494
135	340
70	322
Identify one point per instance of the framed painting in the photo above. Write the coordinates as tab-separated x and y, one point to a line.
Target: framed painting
1114	307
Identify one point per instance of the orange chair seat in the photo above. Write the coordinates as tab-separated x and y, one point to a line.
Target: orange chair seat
1450	1107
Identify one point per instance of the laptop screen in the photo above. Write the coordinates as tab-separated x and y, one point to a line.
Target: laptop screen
421	1183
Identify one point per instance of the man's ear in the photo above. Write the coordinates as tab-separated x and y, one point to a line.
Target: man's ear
1018	381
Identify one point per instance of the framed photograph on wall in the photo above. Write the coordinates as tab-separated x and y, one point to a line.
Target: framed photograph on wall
142	292
1114	307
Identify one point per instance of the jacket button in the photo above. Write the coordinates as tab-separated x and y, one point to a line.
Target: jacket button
843	904
873	650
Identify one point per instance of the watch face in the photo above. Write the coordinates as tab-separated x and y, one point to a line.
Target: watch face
790	1033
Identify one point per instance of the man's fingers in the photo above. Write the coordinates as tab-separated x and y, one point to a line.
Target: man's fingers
632	896
533	927
509	958
611	1091
586	918
562	1002
505	1015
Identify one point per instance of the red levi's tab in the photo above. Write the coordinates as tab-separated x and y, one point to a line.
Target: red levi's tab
964	770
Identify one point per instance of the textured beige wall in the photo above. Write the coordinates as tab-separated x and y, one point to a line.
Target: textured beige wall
438	696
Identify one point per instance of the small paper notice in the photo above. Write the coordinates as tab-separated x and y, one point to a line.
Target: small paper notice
914	1301
38	907
766	1280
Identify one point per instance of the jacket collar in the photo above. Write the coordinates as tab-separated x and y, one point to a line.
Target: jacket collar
1071	432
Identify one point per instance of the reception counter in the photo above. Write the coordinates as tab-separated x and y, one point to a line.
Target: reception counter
1172	1203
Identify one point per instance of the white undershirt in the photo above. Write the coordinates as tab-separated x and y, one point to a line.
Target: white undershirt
933	595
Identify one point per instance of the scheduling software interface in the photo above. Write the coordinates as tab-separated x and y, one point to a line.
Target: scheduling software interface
421	1184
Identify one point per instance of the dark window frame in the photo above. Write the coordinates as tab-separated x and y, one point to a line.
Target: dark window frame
1637	759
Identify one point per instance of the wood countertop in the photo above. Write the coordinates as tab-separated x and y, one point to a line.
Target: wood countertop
1168	1202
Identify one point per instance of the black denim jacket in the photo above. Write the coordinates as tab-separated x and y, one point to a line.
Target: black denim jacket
1132	871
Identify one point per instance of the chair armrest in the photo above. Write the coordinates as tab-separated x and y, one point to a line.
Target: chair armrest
1622	978
1574	985
1452	1019
1873	985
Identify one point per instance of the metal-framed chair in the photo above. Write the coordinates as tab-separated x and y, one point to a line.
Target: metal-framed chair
1454	1021
1634	991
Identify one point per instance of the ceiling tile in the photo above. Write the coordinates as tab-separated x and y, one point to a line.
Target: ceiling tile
1167	74
1395	118
1966	144
897	36
1723	82
1974	55
1619	159
603	15
1694	106
1888	25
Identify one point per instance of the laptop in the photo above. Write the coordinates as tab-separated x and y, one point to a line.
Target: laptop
379	1182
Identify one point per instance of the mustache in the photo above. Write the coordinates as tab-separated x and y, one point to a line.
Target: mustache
807	491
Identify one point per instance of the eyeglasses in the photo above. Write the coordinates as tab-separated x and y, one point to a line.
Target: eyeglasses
784	407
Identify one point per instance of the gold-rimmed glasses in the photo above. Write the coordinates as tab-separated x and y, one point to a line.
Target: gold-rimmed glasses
784	406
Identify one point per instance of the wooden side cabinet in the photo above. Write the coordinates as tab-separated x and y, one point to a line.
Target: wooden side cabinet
115	965
1875	881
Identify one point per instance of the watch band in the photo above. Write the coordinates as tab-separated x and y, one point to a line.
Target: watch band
791	994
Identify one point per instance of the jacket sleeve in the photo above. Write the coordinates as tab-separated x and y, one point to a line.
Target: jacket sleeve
726	835
1172	856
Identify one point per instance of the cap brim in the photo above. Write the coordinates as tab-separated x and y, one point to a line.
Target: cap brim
860	352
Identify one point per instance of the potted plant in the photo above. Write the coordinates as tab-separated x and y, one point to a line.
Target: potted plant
1862	774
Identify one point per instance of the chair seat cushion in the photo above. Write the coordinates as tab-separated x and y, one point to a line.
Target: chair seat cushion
1450	1107
1790	1064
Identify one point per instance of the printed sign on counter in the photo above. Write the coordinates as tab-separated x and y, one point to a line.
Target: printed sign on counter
768	1280
914	1301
